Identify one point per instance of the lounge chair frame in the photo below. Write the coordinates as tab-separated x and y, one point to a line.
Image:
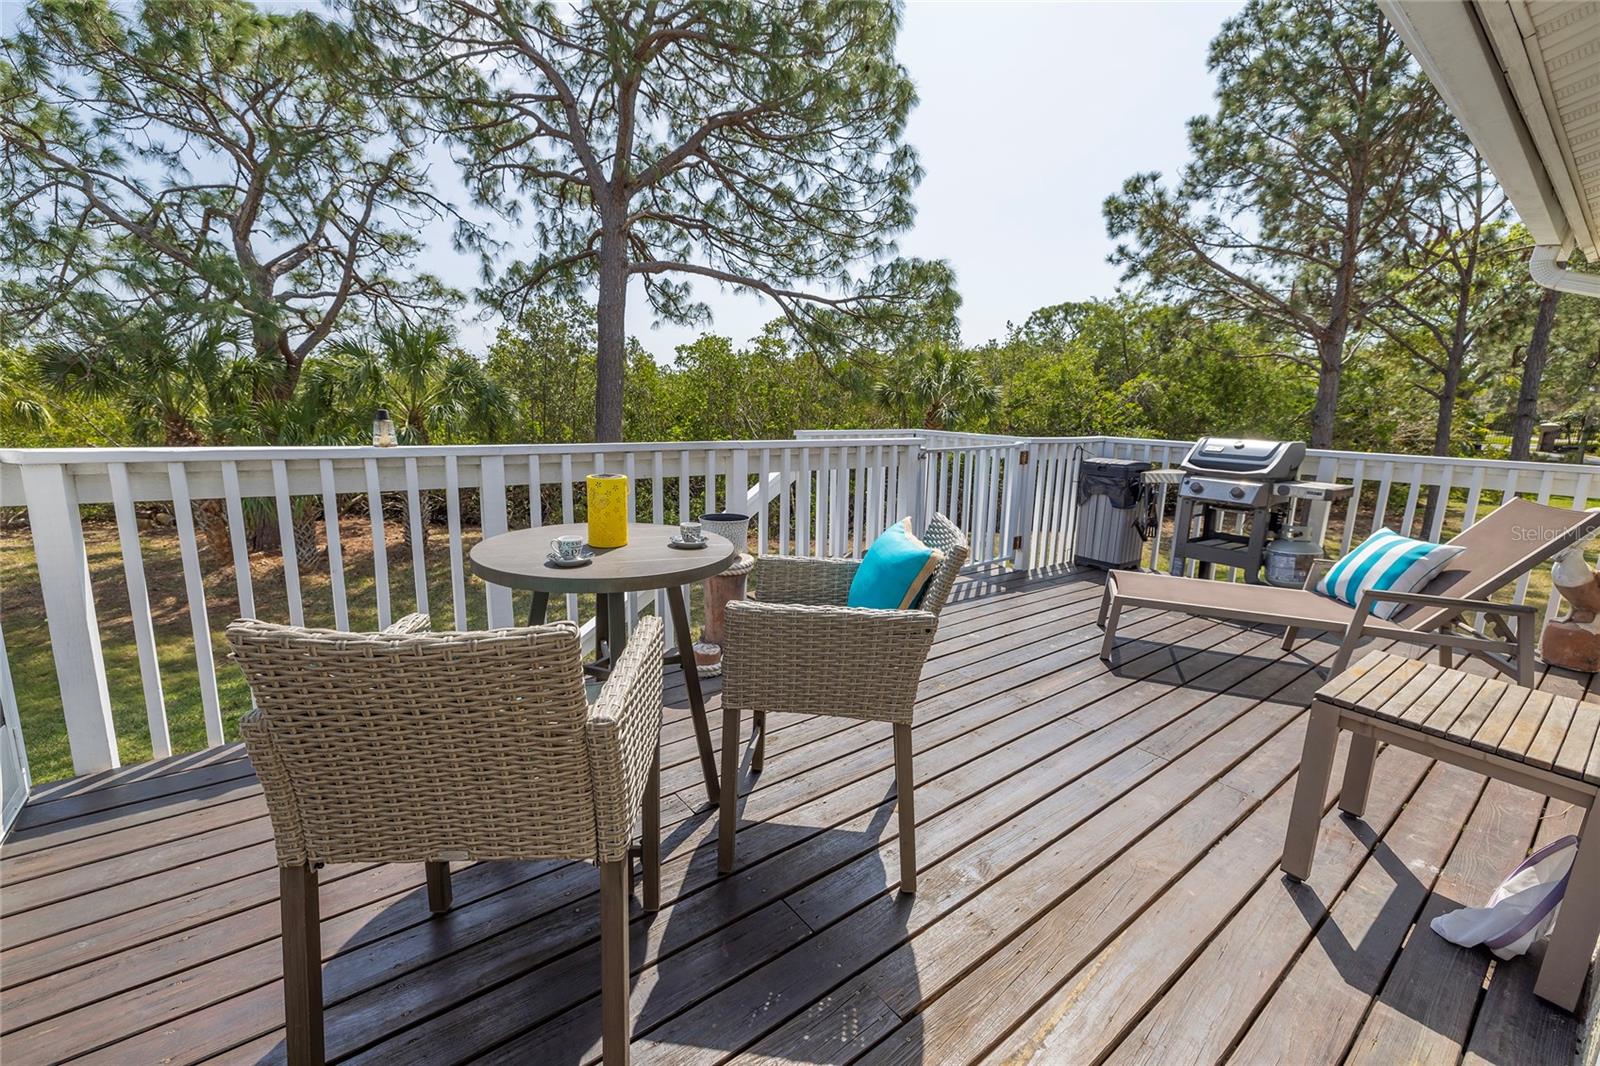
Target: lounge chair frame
1437	616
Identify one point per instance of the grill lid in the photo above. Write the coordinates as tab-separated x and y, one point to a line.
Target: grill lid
1242	457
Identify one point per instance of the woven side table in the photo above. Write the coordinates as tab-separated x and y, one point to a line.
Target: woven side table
721	590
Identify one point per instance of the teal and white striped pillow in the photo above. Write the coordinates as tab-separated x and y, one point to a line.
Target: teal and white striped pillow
1389	562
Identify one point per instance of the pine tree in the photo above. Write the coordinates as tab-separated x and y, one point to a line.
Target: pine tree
753	146
1302	184
211	158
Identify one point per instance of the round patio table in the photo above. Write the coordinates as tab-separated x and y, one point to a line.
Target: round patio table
520	560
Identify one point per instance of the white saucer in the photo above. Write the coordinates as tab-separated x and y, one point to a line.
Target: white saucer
685	545
584	559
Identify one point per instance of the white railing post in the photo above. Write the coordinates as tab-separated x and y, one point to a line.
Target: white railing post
195	588
144	632
1021	469
1318	512
15	781
57	528
492	520
914	486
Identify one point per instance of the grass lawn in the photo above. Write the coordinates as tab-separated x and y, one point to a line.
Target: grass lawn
33	669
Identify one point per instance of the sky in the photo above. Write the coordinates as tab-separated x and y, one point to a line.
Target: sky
1030	115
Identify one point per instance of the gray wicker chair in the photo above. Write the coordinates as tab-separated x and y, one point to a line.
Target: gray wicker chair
408	746
796	647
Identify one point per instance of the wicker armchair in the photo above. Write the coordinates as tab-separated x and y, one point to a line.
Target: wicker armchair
797	648
407	746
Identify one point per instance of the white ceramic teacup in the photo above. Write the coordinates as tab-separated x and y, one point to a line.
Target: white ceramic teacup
567	547
690	532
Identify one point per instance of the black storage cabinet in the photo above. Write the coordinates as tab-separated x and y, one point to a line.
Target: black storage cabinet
1113	514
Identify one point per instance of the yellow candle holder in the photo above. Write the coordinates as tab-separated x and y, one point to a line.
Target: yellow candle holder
608	510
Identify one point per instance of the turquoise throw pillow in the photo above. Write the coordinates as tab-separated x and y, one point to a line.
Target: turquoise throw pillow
1389	562
895	570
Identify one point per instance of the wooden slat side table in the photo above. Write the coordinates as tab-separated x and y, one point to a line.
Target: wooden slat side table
1549	744
519	560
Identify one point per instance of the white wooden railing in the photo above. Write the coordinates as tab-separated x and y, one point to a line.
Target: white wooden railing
979	480
823	493
822	497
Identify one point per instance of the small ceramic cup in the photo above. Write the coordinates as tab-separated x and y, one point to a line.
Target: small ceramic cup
690	532
567	547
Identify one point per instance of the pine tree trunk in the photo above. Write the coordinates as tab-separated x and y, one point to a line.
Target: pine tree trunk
267	337
262	530
611	333
1533	364
1449	389
405	532
518	507
397	513
212	519
1330	363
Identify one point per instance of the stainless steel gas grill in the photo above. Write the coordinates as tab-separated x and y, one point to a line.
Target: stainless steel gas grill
1242	492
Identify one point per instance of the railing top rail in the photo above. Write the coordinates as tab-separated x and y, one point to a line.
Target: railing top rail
812	434
972	446
1449	460
979	439
1398	458
931	440
71	456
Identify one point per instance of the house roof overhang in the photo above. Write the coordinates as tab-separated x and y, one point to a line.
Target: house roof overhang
1523	79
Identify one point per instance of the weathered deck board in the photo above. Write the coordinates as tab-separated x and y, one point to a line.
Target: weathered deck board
1098	855
786	735
1423	1013
1197	964
1026	809
1313	1014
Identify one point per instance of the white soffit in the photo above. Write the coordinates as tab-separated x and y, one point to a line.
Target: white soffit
1523	78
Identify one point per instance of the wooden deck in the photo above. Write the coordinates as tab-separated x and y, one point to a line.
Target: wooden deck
1098	883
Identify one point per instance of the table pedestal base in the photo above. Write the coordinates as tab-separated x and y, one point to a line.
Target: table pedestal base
611	634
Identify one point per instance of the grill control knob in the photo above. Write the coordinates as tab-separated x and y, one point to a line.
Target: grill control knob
1236	492
1193	487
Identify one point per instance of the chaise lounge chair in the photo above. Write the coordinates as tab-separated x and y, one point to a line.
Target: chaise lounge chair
1503	546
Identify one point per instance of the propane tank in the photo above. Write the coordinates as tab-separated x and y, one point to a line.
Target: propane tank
1289	557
